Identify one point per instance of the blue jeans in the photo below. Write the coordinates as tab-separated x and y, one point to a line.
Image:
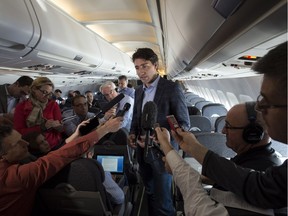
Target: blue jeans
157	182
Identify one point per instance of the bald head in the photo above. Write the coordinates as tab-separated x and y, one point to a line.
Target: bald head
236	126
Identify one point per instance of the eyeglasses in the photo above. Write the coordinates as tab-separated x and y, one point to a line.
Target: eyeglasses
45	93
106	95
262	107
229	126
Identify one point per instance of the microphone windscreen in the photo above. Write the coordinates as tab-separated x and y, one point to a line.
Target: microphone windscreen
124	110
113	102
149	115
93	123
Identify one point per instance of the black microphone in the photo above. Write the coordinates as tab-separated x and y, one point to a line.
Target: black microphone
112	103
148	119
124	110
94	122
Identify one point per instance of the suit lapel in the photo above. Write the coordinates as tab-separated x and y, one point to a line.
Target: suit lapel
159	91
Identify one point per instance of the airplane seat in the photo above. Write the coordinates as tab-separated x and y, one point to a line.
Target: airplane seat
213	111
190	95
111	147
195	100
199	123
200	104
67	113
219	124
192	110
65	200
76	190
215	142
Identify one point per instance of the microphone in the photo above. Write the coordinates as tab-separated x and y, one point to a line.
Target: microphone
112	103
148	119
124	110
94	122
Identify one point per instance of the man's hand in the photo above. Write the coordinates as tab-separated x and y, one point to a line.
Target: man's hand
163	137
113	124
132	140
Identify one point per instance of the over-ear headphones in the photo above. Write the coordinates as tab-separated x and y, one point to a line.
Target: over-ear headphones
253	132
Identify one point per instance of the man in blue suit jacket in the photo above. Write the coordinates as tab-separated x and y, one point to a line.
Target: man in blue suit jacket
170	100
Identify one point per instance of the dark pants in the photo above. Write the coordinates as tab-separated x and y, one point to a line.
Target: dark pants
157	182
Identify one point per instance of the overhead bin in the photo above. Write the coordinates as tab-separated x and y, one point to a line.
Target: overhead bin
62	46
19	31
64	42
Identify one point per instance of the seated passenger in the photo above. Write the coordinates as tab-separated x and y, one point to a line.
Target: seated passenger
38	145
263	189
115	193
40	113
57	97
79	114
93	104
22	181
108	89
246	134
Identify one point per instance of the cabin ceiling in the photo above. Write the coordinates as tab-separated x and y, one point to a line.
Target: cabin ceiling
126	24
191	37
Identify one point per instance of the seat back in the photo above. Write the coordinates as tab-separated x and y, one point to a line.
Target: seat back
215	142
192	110
195	100
219	124
65	200
213	111
200	104
199	123
85	176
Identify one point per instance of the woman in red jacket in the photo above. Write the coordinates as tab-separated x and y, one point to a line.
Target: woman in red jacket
40	112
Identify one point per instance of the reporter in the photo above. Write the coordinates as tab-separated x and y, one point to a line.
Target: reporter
263	189
19	183
196	199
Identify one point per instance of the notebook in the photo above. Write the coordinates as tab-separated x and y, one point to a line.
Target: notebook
112	163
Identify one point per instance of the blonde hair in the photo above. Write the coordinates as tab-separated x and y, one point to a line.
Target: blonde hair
41	81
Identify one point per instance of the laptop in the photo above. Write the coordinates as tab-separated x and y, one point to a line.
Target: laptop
112	163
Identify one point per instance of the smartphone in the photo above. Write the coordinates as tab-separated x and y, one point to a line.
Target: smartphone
172	122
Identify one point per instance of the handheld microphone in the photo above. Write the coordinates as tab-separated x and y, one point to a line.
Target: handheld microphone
112	103
94	122
148	119
124	110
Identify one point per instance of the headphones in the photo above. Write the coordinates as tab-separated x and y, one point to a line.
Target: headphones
253	132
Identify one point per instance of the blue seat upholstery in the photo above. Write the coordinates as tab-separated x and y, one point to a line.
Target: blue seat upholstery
215	142
199	124
219	124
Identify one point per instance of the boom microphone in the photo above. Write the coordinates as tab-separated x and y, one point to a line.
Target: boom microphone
148	119
94	122
149	115
112	103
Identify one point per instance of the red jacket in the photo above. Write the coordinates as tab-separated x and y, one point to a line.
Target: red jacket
51	111
19	183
